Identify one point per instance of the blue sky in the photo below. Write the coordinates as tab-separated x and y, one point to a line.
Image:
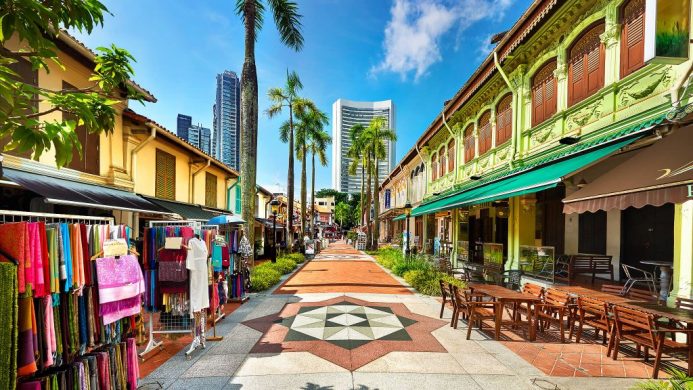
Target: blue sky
416	52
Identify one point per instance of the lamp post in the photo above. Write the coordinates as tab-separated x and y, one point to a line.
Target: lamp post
275	207
407	212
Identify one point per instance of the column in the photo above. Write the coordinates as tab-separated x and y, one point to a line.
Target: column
613	239
683	250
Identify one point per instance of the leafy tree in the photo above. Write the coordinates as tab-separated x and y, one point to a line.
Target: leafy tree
284	98
288	23
357	156
342	211
317	143
28	35
338	196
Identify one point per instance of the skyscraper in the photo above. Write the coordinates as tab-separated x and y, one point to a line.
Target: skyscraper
184	123
227	119
345	114
200	137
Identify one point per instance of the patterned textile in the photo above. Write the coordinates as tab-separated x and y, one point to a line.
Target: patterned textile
172	271
8	331
28	340
14	241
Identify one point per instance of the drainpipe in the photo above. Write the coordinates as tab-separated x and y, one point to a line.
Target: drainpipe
675	100
192	180
133	153
513	141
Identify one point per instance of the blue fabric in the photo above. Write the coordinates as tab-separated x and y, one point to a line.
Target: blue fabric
67	255
216	258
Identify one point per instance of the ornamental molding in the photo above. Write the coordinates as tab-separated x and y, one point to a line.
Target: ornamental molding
585	115
645	86
610	35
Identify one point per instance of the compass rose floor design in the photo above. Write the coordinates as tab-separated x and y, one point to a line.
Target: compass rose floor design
346	331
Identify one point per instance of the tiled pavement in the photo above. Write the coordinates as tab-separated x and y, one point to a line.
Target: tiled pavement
424	352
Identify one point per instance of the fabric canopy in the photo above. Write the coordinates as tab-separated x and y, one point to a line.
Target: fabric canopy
659	174
400	217
226	219
68	192
530	181
268	222
188	211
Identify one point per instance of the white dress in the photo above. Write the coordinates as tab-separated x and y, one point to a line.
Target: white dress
196	263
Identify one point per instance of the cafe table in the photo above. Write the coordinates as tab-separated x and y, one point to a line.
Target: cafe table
507	296
672	313
665	268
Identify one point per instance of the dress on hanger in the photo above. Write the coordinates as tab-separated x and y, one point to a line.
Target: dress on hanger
197	264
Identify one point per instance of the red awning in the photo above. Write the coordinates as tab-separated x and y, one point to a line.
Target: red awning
659	174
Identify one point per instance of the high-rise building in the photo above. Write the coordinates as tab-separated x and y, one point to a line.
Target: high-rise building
227	120
346	114
184	123
200	137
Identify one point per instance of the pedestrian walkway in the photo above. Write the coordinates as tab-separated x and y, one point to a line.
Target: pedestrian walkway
322	330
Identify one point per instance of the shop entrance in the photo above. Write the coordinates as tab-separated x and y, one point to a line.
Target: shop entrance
647	234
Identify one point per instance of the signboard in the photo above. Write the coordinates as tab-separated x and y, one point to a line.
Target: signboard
173	242
310	247
115	248
667	31
387	199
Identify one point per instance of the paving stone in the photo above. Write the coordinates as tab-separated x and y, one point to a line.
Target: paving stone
324	381
454	341
215	365
414	362
199	383
233	345
576	383
287	363
242	331
503	382
173	368
481	363
405	381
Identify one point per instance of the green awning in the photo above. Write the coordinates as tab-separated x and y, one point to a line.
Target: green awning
400	217
532	180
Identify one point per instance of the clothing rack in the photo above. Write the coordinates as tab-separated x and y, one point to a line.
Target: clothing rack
9	216
165	327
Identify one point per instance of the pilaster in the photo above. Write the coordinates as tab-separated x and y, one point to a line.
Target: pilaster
683	250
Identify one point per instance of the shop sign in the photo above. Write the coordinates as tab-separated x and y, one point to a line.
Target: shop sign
667	31
387	199
115	248
690	190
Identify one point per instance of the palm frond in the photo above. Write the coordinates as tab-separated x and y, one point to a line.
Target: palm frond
288	22
293	84
284	131
242	6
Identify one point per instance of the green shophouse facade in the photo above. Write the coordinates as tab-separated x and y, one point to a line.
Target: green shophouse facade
564	98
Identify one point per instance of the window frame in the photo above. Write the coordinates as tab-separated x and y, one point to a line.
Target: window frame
451	155
160	187
626	67
504	133
485	133
434	166
469	143
442	161
593	32
211	193
543	81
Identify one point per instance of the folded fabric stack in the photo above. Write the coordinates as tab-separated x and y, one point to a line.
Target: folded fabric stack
121	286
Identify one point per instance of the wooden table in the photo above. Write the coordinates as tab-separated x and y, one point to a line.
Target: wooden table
665	268
672	313
507	296
598	295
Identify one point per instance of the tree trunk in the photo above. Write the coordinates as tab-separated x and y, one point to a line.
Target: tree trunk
363	184
376	204
249	113
368	204
312	199
303	191
290	181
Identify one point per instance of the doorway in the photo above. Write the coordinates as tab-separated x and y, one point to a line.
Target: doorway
647	234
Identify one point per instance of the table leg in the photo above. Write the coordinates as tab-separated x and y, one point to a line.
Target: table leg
664	280
499	318
530	322
689	336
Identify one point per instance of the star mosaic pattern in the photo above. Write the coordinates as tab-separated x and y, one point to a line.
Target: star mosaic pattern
347	325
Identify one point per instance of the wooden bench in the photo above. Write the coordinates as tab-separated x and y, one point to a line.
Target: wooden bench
590	264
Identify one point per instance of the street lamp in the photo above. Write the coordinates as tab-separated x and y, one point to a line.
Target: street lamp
275	207
407	212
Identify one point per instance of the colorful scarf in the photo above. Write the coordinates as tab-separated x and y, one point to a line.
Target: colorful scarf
28	342
8	331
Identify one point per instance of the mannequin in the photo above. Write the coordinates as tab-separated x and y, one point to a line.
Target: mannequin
196	263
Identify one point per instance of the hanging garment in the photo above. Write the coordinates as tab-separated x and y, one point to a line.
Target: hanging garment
217	257
54	262
132	363
66	259
8	331
14	241
48	324
173	271
197	264
120	287
77	256
28	342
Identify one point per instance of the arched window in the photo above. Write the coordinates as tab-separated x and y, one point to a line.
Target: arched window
632	37
434	166
441	164
504	120
451	155
544	93
485	135
469	143
586	61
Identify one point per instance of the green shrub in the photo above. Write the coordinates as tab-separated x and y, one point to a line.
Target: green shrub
401	267
427	281
284	265
296	257
263	278
388	257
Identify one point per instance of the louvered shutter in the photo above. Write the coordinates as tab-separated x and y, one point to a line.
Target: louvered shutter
469	143
485	136
504	120
451	156
210	190
165	181
633	37
586	72
434	167
441	163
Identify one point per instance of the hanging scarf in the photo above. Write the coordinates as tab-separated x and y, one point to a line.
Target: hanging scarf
28	343
8	331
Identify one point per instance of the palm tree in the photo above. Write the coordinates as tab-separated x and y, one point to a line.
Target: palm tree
309	118
376	135
317	143
288	22
355	153
281	98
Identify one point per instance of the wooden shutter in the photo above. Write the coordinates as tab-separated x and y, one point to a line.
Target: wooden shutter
451	155
441	163
485	136
544	93
165	181
27	75
89	160
434	166
210	190
632	37
586	72
469	143
504	120
239	203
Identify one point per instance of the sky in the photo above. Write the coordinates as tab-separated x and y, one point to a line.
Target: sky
416	52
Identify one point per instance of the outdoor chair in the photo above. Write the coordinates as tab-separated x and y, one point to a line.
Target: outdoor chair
684	303
612	289
444	290
637	275
554	309
644	332
596	314
642	295
475	311
511	279
590	264
521	308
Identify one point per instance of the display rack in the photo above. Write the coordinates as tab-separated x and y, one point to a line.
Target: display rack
170	324
9	216
217	314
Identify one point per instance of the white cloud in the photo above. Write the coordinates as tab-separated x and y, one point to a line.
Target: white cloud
416	28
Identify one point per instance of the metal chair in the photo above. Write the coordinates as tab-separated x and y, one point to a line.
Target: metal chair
637	275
